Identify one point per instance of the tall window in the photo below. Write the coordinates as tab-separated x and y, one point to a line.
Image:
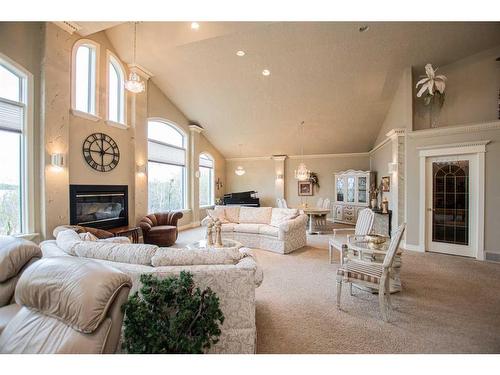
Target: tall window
166	167
116	91
84	77
13	98
206	180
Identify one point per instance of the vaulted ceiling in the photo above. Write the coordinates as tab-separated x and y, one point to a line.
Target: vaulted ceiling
340	81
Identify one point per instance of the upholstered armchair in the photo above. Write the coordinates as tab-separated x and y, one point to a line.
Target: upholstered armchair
160	228
99	233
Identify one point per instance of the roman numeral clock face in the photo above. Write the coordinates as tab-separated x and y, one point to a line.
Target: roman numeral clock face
101	152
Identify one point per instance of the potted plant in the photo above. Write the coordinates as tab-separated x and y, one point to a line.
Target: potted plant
171	316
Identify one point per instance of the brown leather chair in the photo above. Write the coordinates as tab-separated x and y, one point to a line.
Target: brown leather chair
99	233
160	228
69	305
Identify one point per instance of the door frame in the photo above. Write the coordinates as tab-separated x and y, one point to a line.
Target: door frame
477	149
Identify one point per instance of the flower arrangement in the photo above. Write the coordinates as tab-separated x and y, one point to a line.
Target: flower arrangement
432	86
313	177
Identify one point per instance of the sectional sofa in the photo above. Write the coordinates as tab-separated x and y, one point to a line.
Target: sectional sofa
281	230
232	274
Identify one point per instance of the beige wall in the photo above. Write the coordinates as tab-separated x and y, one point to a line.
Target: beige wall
471	91
379	161
261	176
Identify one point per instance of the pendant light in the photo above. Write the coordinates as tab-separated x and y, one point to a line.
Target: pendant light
134	83
239	171
302	173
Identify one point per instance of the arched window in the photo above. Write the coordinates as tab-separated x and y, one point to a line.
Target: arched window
207	195
166	167
84	77
116	91
14	144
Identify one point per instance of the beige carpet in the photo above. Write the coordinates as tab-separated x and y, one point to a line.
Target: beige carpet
448	305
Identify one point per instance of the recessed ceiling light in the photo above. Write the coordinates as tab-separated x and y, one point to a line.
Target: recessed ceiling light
364	28
195	25
240	53
266	72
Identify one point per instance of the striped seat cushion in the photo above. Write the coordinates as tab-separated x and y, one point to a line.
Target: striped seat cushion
371	272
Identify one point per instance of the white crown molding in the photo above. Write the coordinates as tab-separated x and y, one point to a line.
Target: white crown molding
461	146
391	134
456	129
140	70
250	158
69	27
322	156
196	128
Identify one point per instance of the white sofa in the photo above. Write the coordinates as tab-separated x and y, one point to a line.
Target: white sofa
281	230
234	279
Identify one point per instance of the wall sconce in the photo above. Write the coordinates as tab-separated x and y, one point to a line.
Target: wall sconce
141	169
279	176
57	160
392	167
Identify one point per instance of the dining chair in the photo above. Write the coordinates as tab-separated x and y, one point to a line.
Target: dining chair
319	203
371	274
341	236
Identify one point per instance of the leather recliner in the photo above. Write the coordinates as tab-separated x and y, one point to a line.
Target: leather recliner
16	255
160	228
69	305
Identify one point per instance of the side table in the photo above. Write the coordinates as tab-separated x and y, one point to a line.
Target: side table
132	233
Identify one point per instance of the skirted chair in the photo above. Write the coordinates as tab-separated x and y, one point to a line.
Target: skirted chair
57	317
372	274
342	236
160	228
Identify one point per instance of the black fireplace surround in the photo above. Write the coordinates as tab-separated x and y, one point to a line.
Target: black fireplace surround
98	206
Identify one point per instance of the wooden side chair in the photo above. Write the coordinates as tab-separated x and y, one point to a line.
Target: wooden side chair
371	274
364	226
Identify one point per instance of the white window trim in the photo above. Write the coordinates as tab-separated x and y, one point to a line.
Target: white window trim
212	182
187	185
74	111
28	162
123	125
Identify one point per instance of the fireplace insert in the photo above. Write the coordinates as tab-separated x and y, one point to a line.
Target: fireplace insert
99	206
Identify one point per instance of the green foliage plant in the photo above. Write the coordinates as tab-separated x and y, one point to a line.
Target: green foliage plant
171	315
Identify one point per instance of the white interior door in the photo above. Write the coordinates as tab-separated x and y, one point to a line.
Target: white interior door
451	208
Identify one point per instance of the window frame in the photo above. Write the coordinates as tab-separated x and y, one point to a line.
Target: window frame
112	59
185	185
212	180
27	166
96	47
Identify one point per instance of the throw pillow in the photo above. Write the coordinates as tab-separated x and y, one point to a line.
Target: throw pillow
66	240
255	215
86	236
218	213
232	213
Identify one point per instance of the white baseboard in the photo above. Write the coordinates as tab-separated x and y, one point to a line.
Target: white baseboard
411	247
194	224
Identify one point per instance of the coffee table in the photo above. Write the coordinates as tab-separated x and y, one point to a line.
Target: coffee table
226	244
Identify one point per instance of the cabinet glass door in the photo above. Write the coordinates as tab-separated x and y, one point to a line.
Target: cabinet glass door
340	189
350	188
362	190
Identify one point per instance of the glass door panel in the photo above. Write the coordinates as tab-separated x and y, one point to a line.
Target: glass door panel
350	188
340	189
362	193
450	203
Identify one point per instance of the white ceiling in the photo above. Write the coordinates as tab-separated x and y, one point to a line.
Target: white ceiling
338	80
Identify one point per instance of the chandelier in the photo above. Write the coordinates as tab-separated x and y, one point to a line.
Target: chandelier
302	173
239	171
134	83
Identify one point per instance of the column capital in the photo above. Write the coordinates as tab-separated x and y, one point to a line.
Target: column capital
279	157
140	70
195	128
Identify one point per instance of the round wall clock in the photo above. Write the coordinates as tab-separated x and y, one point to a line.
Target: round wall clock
101	152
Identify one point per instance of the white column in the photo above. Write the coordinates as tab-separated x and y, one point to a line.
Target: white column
194	174
397	137
279	175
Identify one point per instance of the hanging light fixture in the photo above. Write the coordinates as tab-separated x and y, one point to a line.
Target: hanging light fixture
134	83
302	173
239	171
